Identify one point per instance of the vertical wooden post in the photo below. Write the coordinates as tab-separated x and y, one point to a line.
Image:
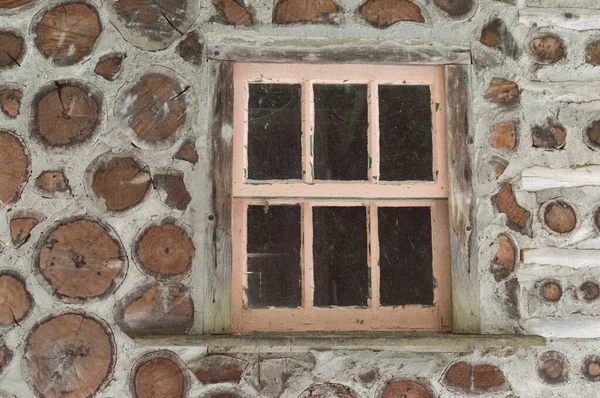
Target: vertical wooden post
217	300
373	134
461	202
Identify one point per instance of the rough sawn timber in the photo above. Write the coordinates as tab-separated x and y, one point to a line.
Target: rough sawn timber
461	202
538	178
567	18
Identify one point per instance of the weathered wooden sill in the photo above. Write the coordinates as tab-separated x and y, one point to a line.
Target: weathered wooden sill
302	342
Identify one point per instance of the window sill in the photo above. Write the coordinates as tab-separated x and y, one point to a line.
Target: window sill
303	342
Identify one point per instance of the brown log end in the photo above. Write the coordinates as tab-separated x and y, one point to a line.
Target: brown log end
548	49
156	309
498	165
236	13
9	4
592	133
80	258
165	250
191	48
65	114
504	136
588	291
305	11
591	368
511	300
367	378
550	135
16	302
10	102
51	183
517	217
177	195
122	182
12	49
406	388
70	355
458	377
551	291
110	65
187	151
328	390
552	367
385	13
6	355
592	53
215	369
487	378
67	33
502	91
504	260
20	229
159	374
14	168
158	108
227	392
495	34
455	8
559	216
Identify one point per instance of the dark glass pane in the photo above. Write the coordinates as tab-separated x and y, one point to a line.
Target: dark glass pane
274	132
341	123
340	256
274	276
405	128
405	259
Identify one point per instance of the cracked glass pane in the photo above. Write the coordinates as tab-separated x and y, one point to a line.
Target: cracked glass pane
340	139
340	256
405	128
273	250
274	132
405	256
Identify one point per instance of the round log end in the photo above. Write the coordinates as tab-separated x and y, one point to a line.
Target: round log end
16	302
551	291
14	168
559	216
159	374
588	291
405	388
552	367
71	352
456	9
548	49
80	259
12	49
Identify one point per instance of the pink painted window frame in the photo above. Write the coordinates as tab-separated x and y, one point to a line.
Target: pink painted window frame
371	193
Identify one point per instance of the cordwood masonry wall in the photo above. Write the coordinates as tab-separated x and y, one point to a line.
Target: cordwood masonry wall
105	177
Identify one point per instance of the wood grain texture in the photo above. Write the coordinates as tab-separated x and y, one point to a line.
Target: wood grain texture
572	258
548	49
12	49
70	355
352	52
456	9
217	299
20	229
517	217
568	18
51	183
159	374
109	66
9	4
121	182
235	11
385	13
461	202
305	11
538	178
67	33
14	168
10	102
579	92
16	302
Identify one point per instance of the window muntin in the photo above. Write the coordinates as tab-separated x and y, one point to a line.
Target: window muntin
341	90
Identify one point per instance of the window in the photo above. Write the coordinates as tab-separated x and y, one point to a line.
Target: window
340	198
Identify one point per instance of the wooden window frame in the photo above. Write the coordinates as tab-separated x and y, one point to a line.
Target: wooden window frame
218	312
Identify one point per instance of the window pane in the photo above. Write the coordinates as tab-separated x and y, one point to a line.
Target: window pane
274	276
405	258
274	132
341	123
405	128
340	256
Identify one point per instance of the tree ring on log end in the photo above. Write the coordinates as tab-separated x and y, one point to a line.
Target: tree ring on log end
164	250
14	168
12	48
67	33
559	217
66	113
71	352
159	374
120	181
418	388
458	10
80	259
16	302
155	108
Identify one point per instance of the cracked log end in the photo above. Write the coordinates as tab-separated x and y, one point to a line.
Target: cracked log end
173	186
467	378
305	11
71	352
156	309
159	374
12	49
385	13
121	182
14	168
109	66
20	229
68	32
15	301
65	114
165	250
80	259
235	11
10	102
